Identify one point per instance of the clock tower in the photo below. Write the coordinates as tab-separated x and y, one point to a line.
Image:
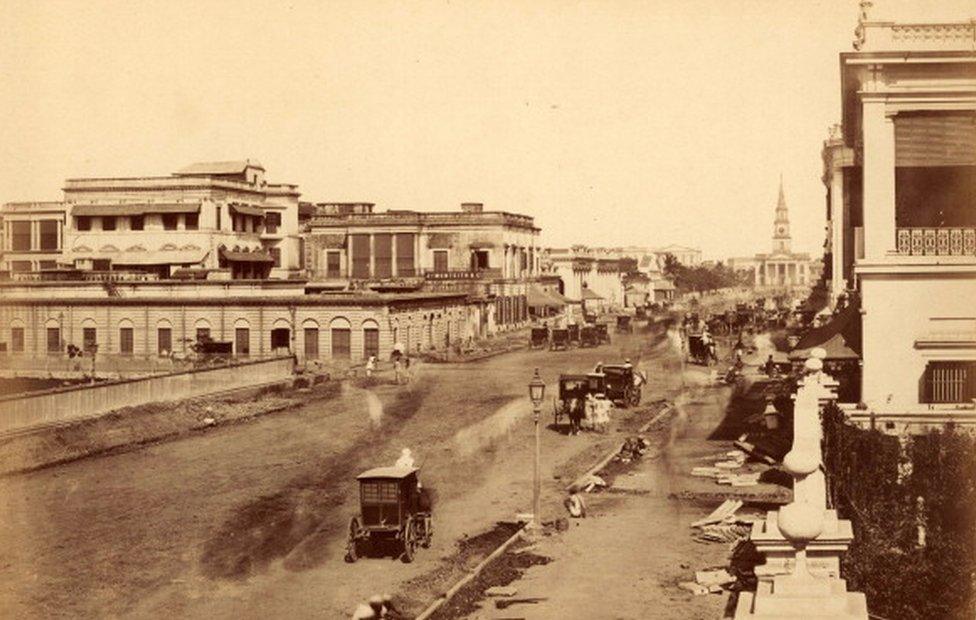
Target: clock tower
781	224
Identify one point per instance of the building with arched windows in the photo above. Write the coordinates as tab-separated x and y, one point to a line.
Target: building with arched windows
146	325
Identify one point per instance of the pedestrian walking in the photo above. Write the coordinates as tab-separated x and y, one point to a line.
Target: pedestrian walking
370	366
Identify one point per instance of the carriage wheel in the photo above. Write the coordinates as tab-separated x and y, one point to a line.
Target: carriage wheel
428	532
352	546
409	542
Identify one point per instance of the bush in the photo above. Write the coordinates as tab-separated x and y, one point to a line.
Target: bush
890	490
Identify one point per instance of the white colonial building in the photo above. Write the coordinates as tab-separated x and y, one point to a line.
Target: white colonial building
901	180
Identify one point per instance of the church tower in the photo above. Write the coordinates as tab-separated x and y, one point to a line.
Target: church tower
781	224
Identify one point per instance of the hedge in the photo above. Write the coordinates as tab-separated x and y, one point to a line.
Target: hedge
912	503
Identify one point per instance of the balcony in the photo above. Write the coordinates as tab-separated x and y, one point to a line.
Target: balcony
936	241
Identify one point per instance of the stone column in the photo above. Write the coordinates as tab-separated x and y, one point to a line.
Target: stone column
879	179
798	587
837	212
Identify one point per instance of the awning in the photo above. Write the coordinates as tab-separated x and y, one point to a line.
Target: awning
540	298
246	257
123	210
588	294
176	257
481	245
440	241
247	210
840	338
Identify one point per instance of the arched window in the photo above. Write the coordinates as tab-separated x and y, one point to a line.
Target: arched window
89	335
18	336
310	332
371	338
341	335
126	337
202	327
164	338
242	338
281	337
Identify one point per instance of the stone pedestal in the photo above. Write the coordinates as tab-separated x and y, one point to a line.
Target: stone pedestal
826	598
824	551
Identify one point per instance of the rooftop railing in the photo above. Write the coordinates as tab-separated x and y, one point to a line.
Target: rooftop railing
949	241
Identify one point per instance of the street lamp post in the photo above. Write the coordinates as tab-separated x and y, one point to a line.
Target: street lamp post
537	392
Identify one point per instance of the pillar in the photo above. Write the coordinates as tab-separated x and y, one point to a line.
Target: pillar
826	549
879	180
791	585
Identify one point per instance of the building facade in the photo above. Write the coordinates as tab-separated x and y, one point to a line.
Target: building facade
782	268
901	179
493	256
32	236
221	217
139	322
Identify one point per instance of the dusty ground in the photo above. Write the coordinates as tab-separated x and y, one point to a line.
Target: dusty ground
625	559
249	520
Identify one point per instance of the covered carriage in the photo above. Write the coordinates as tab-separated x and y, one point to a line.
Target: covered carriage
394	512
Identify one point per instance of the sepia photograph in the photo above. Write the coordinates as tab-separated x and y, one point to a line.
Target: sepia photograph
488	309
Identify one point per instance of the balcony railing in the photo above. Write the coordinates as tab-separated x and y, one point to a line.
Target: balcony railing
937	241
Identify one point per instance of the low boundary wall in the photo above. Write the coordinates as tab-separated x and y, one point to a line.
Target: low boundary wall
23	411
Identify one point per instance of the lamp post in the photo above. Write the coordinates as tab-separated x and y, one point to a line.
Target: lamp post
537	392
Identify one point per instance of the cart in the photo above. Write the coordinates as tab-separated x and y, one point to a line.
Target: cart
559	340
589	336
573	390
538	337
603	334
574	334
624	324
394	512
697	350
620	386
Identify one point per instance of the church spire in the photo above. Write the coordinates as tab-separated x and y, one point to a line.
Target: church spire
781	223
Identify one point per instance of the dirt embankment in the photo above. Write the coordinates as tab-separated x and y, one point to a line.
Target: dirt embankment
131	427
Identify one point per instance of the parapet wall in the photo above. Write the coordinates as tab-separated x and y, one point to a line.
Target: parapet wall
23	411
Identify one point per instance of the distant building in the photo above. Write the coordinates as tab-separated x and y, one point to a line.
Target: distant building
32	236
782	268
601	272
219	217
492	256
687	256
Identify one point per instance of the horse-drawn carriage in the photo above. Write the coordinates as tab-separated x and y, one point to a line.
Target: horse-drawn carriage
619	385
560	339
394	512
574	333
538	337
624	323
698	351
573	390
589	336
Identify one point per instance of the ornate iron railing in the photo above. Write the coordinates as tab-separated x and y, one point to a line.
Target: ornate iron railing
937	241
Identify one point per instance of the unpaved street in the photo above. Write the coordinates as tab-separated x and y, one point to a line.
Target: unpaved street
249	520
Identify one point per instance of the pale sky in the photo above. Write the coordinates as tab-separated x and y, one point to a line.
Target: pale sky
610	122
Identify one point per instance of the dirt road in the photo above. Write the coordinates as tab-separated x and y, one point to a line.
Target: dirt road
249	520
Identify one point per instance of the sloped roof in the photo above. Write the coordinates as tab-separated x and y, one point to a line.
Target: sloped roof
538	297
589	294
220	167
840	338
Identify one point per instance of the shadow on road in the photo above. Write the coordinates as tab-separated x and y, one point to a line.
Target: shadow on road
298	522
